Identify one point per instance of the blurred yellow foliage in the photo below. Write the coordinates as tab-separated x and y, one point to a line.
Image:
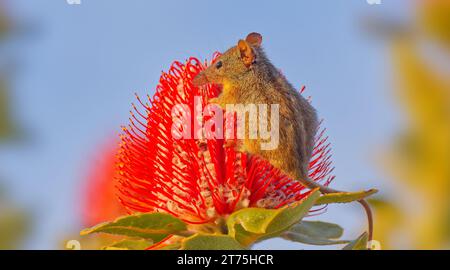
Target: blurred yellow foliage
434	17
4	24
6	126
420	157
388	217
14	225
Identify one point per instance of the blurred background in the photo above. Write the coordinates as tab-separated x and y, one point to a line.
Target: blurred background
379	75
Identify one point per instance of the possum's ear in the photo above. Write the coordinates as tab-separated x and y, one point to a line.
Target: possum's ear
255	39
247	54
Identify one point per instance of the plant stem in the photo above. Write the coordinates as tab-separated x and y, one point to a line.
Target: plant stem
366	207
326	190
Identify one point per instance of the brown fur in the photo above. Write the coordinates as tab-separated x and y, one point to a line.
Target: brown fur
247	77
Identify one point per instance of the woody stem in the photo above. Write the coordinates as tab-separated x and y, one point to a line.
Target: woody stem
326	190
366	207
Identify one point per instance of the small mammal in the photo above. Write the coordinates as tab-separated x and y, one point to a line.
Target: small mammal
248	77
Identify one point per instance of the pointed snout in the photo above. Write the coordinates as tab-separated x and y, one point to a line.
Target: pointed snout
200	79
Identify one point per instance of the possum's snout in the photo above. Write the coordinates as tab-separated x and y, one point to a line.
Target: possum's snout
200	79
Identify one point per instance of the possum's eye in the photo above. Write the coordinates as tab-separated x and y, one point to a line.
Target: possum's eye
219	64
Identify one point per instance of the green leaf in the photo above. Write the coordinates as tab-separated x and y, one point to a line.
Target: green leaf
358	244
290	215
130	244
174	246
315	233
318	229
252	224
345	197
155	226
210	242
305	239
254	220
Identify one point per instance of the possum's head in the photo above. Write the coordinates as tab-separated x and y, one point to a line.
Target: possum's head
235	63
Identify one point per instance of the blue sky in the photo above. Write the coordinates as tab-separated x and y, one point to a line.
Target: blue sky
79	72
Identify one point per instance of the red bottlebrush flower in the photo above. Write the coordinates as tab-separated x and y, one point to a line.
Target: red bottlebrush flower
99	201
193	179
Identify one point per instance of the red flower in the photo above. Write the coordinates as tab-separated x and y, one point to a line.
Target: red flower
198	180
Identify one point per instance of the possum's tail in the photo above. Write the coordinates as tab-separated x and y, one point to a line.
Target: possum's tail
326	190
